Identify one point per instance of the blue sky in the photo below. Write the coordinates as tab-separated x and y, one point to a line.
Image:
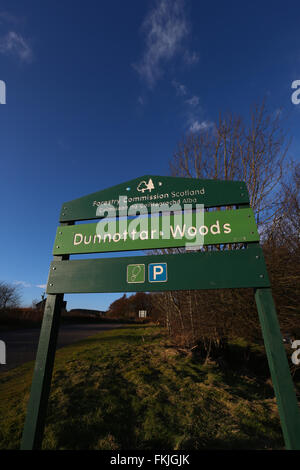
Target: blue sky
98	93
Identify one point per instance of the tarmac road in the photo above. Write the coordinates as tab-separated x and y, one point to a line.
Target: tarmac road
21	345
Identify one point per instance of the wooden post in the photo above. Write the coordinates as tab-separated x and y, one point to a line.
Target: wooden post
280	373
41	382
40	388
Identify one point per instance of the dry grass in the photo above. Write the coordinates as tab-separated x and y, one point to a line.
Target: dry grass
127	389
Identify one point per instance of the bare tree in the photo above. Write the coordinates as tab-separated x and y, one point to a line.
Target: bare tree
9	295
254	152
285	226
282	251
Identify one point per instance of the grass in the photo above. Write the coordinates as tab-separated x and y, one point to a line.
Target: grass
125	389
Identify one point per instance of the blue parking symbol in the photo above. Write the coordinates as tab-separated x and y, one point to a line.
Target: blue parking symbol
157	272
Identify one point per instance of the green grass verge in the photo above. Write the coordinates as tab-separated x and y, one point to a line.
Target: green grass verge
124	389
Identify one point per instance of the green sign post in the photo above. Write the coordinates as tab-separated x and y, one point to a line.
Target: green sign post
154	212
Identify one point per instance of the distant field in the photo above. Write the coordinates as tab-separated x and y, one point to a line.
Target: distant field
127	389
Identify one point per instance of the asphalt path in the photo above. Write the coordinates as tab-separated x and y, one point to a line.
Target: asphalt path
21	345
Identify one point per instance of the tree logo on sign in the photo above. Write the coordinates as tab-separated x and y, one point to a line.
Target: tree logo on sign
143	186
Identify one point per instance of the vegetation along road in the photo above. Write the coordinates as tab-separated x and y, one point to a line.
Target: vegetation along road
21	345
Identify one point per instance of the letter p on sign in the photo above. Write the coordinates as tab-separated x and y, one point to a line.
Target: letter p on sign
157	272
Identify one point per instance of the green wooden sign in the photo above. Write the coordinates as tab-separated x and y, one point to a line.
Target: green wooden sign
153	192
239	264
215	270
208	228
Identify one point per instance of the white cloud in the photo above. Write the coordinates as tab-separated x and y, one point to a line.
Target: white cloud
181	89
192	109
194	101
14	44
27	284
164	27
197	126
22	283
191	58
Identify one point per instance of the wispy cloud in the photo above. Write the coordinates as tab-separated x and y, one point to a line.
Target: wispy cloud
190	58
164	28
22	283
197	126
27	284
14	44
181	89
192	109
194	101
